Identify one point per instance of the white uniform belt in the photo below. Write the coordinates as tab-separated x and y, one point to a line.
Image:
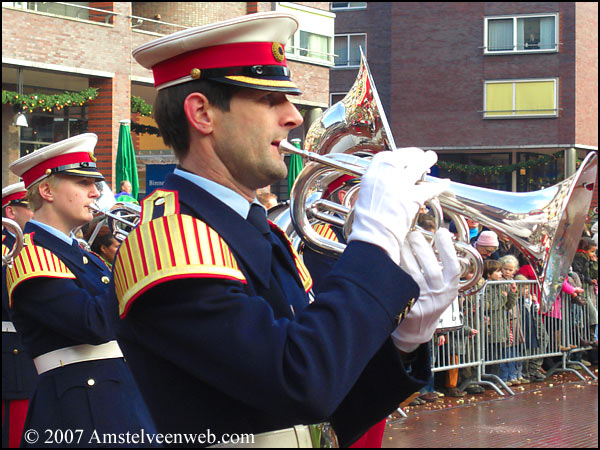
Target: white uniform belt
298	436
8	327
76	354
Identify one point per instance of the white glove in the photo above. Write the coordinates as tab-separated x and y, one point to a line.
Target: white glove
389	200
439	287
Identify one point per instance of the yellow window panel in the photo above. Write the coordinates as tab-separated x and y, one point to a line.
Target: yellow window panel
499	99
535	98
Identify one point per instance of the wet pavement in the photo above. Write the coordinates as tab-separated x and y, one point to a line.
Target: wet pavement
559	412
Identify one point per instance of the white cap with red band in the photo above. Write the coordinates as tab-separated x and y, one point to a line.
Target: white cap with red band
247	51
73	156
14	193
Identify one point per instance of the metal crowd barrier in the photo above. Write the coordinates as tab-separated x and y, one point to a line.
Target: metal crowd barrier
516	330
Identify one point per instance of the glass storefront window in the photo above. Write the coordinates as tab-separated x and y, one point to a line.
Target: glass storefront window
45	129
541	176
501	181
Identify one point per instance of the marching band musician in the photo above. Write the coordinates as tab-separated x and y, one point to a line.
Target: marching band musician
58	302
18	372
320	264
217	324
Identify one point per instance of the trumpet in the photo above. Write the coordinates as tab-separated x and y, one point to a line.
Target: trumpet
120	220
12	253
544	225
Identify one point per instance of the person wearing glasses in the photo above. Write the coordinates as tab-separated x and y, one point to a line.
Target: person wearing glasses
487	244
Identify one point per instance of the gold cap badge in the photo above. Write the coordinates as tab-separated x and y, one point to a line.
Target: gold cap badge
278	52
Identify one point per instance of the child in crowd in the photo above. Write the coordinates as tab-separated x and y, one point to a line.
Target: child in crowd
510	265
497	302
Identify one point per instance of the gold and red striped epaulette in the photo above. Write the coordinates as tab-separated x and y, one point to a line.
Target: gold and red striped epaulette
303	272
324	230
5	249
33	262
169	247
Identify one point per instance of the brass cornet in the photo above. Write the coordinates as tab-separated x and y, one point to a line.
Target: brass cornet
13	252
544	225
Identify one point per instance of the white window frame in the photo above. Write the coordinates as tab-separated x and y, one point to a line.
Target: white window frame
348	66
513	114
302	12
515	46
348	8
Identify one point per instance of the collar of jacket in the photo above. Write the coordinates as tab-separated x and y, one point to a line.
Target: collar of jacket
246	242
65	252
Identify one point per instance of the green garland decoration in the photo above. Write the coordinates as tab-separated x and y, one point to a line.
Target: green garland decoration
138	105
45	102
144	129
496	170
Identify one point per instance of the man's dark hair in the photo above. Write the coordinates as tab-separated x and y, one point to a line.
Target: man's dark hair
170	117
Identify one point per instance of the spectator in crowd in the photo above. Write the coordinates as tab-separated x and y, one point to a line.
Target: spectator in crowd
533	370
585	264
468	305
519	325
426	221
486	244
507	248
575	331
106	245
267	199
497	302
124	196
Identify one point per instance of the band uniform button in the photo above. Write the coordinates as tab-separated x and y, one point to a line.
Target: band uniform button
91	382
16	351
105	279
85	260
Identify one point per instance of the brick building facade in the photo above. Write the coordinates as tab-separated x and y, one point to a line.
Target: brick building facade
433	67
59	48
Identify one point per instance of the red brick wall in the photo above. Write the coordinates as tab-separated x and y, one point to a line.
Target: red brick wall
79	45
376	22
438	74
586	83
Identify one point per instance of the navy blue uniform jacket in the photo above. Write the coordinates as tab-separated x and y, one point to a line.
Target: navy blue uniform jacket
216	353
53	313
18	372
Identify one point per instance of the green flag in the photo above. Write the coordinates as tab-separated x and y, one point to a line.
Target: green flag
126	167
296	165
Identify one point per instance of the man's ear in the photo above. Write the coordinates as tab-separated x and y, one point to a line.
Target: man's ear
199	112
9	212
46	192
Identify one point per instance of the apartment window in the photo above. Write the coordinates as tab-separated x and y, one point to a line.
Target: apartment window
313	42
335	97
347	49
58	9
348	5
521	34
520	98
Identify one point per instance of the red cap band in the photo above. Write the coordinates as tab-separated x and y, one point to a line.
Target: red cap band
215	57
16	196
39	171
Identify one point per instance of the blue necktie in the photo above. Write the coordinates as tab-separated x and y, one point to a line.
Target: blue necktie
258	218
